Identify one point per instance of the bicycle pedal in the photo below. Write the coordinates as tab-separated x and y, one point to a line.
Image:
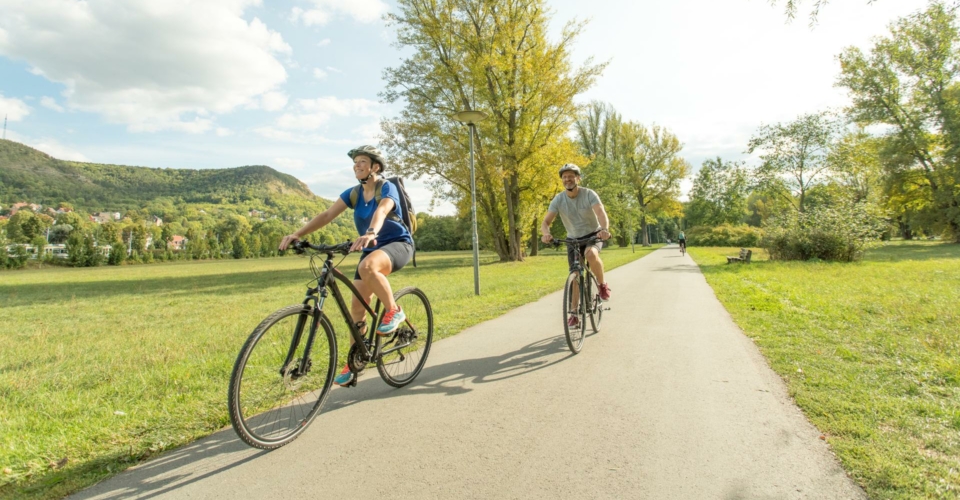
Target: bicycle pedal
353	383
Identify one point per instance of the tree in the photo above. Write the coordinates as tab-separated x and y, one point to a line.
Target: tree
791	7
490	55
855	161
909	82
598	130
653	170
719	194
794	155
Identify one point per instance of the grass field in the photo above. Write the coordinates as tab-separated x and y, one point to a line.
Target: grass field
870	351
101	368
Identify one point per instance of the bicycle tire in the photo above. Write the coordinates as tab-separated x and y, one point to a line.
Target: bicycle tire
261	422
404	352
574	334
595	305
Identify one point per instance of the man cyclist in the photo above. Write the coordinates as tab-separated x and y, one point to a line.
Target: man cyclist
583	216
682	240
385	241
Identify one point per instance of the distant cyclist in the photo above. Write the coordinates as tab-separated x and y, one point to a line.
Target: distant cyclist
386	243
682	239
583	216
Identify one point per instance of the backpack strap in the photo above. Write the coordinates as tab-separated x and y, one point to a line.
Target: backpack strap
377	196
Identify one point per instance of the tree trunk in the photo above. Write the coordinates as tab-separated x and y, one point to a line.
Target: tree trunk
643	229
512	192
534	238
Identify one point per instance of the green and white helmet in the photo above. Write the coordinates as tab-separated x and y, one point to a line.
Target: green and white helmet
369	151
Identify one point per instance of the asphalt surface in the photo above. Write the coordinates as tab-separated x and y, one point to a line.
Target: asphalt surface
668	401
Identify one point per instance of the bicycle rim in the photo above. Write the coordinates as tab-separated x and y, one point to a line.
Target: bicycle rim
574	333
404	352
271	403
595	303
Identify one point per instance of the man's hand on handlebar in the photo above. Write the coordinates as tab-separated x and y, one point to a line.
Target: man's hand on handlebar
604	234
546	238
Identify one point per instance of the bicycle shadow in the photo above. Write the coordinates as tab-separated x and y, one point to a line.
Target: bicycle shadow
175	469
223	450
451	379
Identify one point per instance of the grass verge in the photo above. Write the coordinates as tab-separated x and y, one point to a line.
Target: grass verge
870	351
102	368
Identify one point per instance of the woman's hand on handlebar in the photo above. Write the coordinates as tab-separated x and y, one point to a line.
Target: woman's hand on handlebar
287	241
363	241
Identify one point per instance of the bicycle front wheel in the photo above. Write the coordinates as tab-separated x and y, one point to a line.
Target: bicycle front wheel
404	352
573	313
275	390
594	303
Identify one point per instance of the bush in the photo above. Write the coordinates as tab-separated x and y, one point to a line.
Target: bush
839	233
724	236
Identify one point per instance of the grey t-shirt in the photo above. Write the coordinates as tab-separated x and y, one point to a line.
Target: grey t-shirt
577	213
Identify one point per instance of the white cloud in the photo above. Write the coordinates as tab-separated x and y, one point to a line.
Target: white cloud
274	101
51	103
368	132
335	70
365	11
289	163
311	114
149	65
223	132
323	43
13	109
319	74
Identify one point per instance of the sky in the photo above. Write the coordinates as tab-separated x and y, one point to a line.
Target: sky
294	84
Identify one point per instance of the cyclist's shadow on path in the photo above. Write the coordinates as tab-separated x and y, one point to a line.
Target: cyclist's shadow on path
223	450
453	378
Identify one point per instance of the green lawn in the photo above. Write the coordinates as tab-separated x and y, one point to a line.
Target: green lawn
105	367
870	351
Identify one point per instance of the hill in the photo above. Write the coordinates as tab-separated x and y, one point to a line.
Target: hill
27	174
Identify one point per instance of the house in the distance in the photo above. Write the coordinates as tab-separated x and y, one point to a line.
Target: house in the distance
177	242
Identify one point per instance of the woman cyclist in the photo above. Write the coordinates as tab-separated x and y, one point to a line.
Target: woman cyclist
386	243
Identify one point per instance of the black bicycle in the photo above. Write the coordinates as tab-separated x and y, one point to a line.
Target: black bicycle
683	248
580	305
285	369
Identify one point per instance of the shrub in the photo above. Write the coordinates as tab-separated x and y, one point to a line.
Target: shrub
724	235
840	233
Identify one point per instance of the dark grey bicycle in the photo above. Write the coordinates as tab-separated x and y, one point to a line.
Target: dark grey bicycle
285	369
576	304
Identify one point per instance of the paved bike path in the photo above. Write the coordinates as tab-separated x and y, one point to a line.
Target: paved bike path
669	401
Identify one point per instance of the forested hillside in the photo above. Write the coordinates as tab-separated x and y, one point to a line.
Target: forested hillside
32	176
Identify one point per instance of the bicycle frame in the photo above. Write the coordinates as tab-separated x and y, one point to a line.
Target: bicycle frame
582	269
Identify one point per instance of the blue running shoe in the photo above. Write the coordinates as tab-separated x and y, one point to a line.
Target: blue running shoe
345	378
391	321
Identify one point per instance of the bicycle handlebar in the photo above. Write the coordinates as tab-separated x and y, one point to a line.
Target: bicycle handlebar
574	241
301	246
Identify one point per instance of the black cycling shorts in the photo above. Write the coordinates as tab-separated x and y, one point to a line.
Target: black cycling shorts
399	253
582	249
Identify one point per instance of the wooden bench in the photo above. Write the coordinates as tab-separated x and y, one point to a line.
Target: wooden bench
744	256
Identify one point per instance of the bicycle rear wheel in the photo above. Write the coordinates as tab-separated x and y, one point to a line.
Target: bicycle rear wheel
272	400
404	352
594	302
574	332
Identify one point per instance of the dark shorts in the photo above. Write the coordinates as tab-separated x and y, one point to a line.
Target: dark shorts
582	249
682	242
399	253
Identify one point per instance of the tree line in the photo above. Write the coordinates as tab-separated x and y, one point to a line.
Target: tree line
886	165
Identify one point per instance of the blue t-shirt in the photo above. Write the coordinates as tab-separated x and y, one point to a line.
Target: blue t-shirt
391	230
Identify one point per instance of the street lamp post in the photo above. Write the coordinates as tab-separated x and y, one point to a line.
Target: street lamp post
470	118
